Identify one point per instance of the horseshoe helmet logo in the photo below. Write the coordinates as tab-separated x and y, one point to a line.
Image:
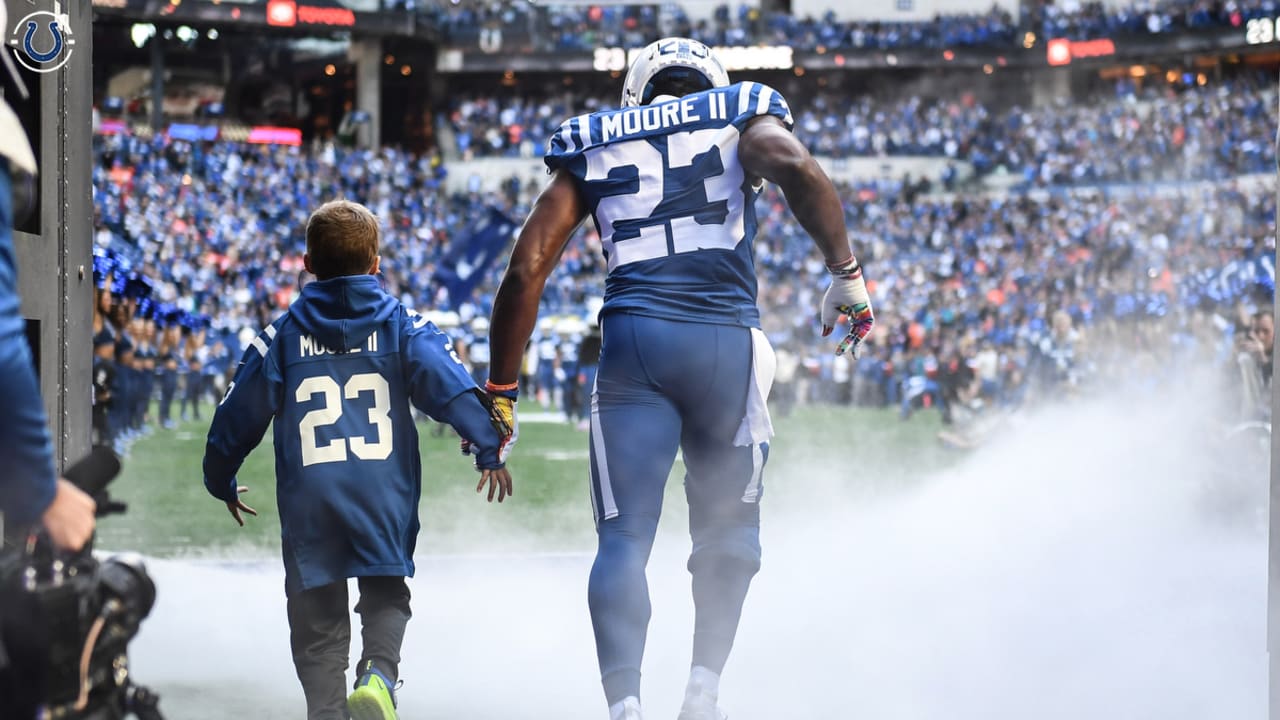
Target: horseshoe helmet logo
42	41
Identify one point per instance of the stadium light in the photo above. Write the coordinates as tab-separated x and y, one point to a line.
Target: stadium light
212	34
186	33
1059	52
140	33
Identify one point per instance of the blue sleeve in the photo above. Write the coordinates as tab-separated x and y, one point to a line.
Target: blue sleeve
468	415
754	99
28	481
566	143
27	478
433	373
242	418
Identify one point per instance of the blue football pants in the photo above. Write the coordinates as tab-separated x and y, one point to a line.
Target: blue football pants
662	386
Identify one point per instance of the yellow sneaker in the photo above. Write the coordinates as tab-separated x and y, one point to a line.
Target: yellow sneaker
374	697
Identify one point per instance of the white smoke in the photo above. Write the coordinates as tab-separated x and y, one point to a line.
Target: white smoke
1087	564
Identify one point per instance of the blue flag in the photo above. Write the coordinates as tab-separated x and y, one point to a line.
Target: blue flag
472	254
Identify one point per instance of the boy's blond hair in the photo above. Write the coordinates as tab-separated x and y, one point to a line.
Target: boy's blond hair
342	239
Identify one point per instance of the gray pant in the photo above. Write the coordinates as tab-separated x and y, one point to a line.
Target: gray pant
320	637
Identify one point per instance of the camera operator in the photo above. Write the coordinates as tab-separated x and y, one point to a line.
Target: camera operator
31	493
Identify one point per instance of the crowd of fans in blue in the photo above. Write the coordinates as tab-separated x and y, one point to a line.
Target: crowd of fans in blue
583	27
981	297
1167	132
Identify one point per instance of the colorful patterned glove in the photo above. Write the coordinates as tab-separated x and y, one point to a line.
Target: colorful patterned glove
500	401
847	296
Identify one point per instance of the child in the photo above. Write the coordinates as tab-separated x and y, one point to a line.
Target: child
336	373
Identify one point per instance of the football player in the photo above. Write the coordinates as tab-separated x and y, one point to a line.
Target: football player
670	181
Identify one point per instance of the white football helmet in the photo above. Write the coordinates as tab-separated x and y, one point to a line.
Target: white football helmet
678	61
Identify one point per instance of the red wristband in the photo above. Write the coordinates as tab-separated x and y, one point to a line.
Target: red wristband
847	269
492	386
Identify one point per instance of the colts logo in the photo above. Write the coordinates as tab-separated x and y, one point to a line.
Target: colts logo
43	41
684	49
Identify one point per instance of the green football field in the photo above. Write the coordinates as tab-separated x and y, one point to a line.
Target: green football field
171	515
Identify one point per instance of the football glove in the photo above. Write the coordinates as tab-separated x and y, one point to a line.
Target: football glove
847	296
500	401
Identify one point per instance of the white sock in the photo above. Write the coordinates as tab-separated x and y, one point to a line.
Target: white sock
703	682
618	710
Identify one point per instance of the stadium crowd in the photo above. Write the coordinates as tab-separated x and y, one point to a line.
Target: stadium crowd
1086	20
981	299
584	27
1164	132
566	28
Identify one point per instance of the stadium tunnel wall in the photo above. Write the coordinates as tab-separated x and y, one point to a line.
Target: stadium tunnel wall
54	248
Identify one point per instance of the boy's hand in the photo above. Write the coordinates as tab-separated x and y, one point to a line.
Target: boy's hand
499	480
238	505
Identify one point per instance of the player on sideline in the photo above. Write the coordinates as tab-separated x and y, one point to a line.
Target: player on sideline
670	180
337	373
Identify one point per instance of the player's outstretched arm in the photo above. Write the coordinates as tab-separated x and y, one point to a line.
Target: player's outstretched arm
440	387
556	214
768	150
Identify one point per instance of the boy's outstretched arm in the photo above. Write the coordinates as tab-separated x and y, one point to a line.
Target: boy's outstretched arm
472	415
440	387
240	422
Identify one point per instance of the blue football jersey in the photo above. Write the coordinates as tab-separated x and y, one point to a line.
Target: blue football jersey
336	374
26	450
674	208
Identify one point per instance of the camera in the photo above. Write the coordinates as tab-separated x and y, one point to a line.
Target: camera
66	621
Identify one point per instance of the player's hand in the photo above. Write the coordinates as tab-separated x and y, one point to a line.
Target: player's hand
498	480
847	296
500	401
69	518
238	505
502	413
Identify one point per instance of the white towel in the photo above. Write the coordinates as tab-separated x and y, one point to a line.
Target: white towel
757	426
